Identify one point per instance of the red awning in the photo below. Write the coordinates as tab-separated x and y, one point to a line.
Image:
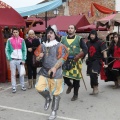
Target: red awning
10	17
91	27
115	18
63	22
33	20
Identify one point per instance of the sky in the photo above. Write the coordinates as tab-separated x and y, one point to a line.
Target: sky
21	3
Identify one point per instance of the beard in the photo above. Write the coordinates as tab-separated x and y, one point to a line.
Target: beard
93	40
70	33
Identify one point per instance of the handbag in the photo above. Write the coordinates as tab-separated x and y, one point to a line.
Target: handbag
22	70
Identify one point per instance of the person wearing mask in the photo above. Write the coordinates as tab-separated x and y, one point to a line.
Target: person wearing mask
72	67
31	43
16	53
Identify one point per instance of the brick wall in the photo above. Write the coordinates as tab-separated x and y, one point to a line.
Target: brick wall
83	7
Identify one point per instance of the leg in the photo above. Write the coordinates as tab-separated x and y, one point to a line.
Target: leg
55	107
58	86
94	83
116	74
47	97
42	87
34	75
29	68
76	85
13	74
21	78
69	84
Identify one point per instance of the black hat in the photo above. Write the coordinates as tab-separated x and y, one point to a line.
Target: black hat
54	29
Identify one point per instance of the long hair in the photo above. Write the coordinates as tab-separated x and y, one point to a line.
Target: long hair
116	34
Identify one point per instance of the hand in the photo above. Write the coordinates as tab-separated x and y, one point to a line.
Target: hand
30	49
105	66
76	58
52	70
41	55
22	63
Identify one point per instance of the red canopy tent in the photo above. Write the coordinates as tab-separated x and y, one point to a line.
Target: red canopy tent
88	28
9	17
33	21
111	19
62	23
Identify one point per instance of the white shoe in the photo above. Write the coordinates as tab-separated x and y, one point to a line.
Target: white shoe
13	90
23	88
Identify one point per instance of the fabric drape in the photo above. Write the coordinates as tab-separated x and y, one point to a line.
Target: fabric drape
101	9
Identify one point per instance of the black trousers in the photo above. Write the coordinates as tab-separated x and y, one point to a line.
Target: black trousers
116	73
75	84
93	79
93	70
32	71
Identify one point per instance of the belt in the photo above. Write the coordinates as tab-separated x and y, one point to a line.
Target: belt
15	59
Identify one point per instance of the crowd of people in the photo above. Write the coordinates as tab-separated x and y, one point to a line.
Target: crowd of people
62	62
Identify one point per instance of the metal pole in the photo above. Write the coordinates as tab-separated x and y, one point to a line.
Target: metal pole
118	29
45	20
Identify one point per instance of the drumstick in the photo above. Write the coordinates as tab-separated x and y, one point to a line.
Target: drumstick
111	62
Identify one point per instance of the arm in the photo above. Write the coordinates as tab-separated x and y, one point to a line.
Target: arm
39	52
24	51
83	52
62	57
104	52
7	50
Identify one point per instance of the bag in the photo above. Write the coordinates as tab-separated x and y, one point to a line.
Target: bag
22	70
36	63
68	65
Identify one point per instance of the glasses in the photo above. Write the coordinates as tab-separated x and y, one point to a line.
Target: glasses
15	32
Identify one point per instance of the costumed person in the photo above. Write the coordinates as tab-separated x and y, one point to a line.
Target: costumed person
31	43
72	67
109	39
16	53
53	55
114	51
106	74
96	53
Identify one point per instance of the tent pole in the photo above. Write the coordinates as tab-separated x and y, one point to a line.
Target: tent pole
45	20
118	29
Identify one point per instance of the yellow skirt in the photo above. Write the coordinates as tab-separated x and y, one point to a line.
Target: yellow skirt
55	86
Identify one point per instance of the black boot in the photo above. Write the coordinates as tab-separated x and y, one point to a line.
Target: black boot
47	97
55	107
75	96
69	89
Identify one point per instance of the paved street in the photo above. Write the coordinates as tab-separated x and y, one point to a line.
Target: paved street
29	105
